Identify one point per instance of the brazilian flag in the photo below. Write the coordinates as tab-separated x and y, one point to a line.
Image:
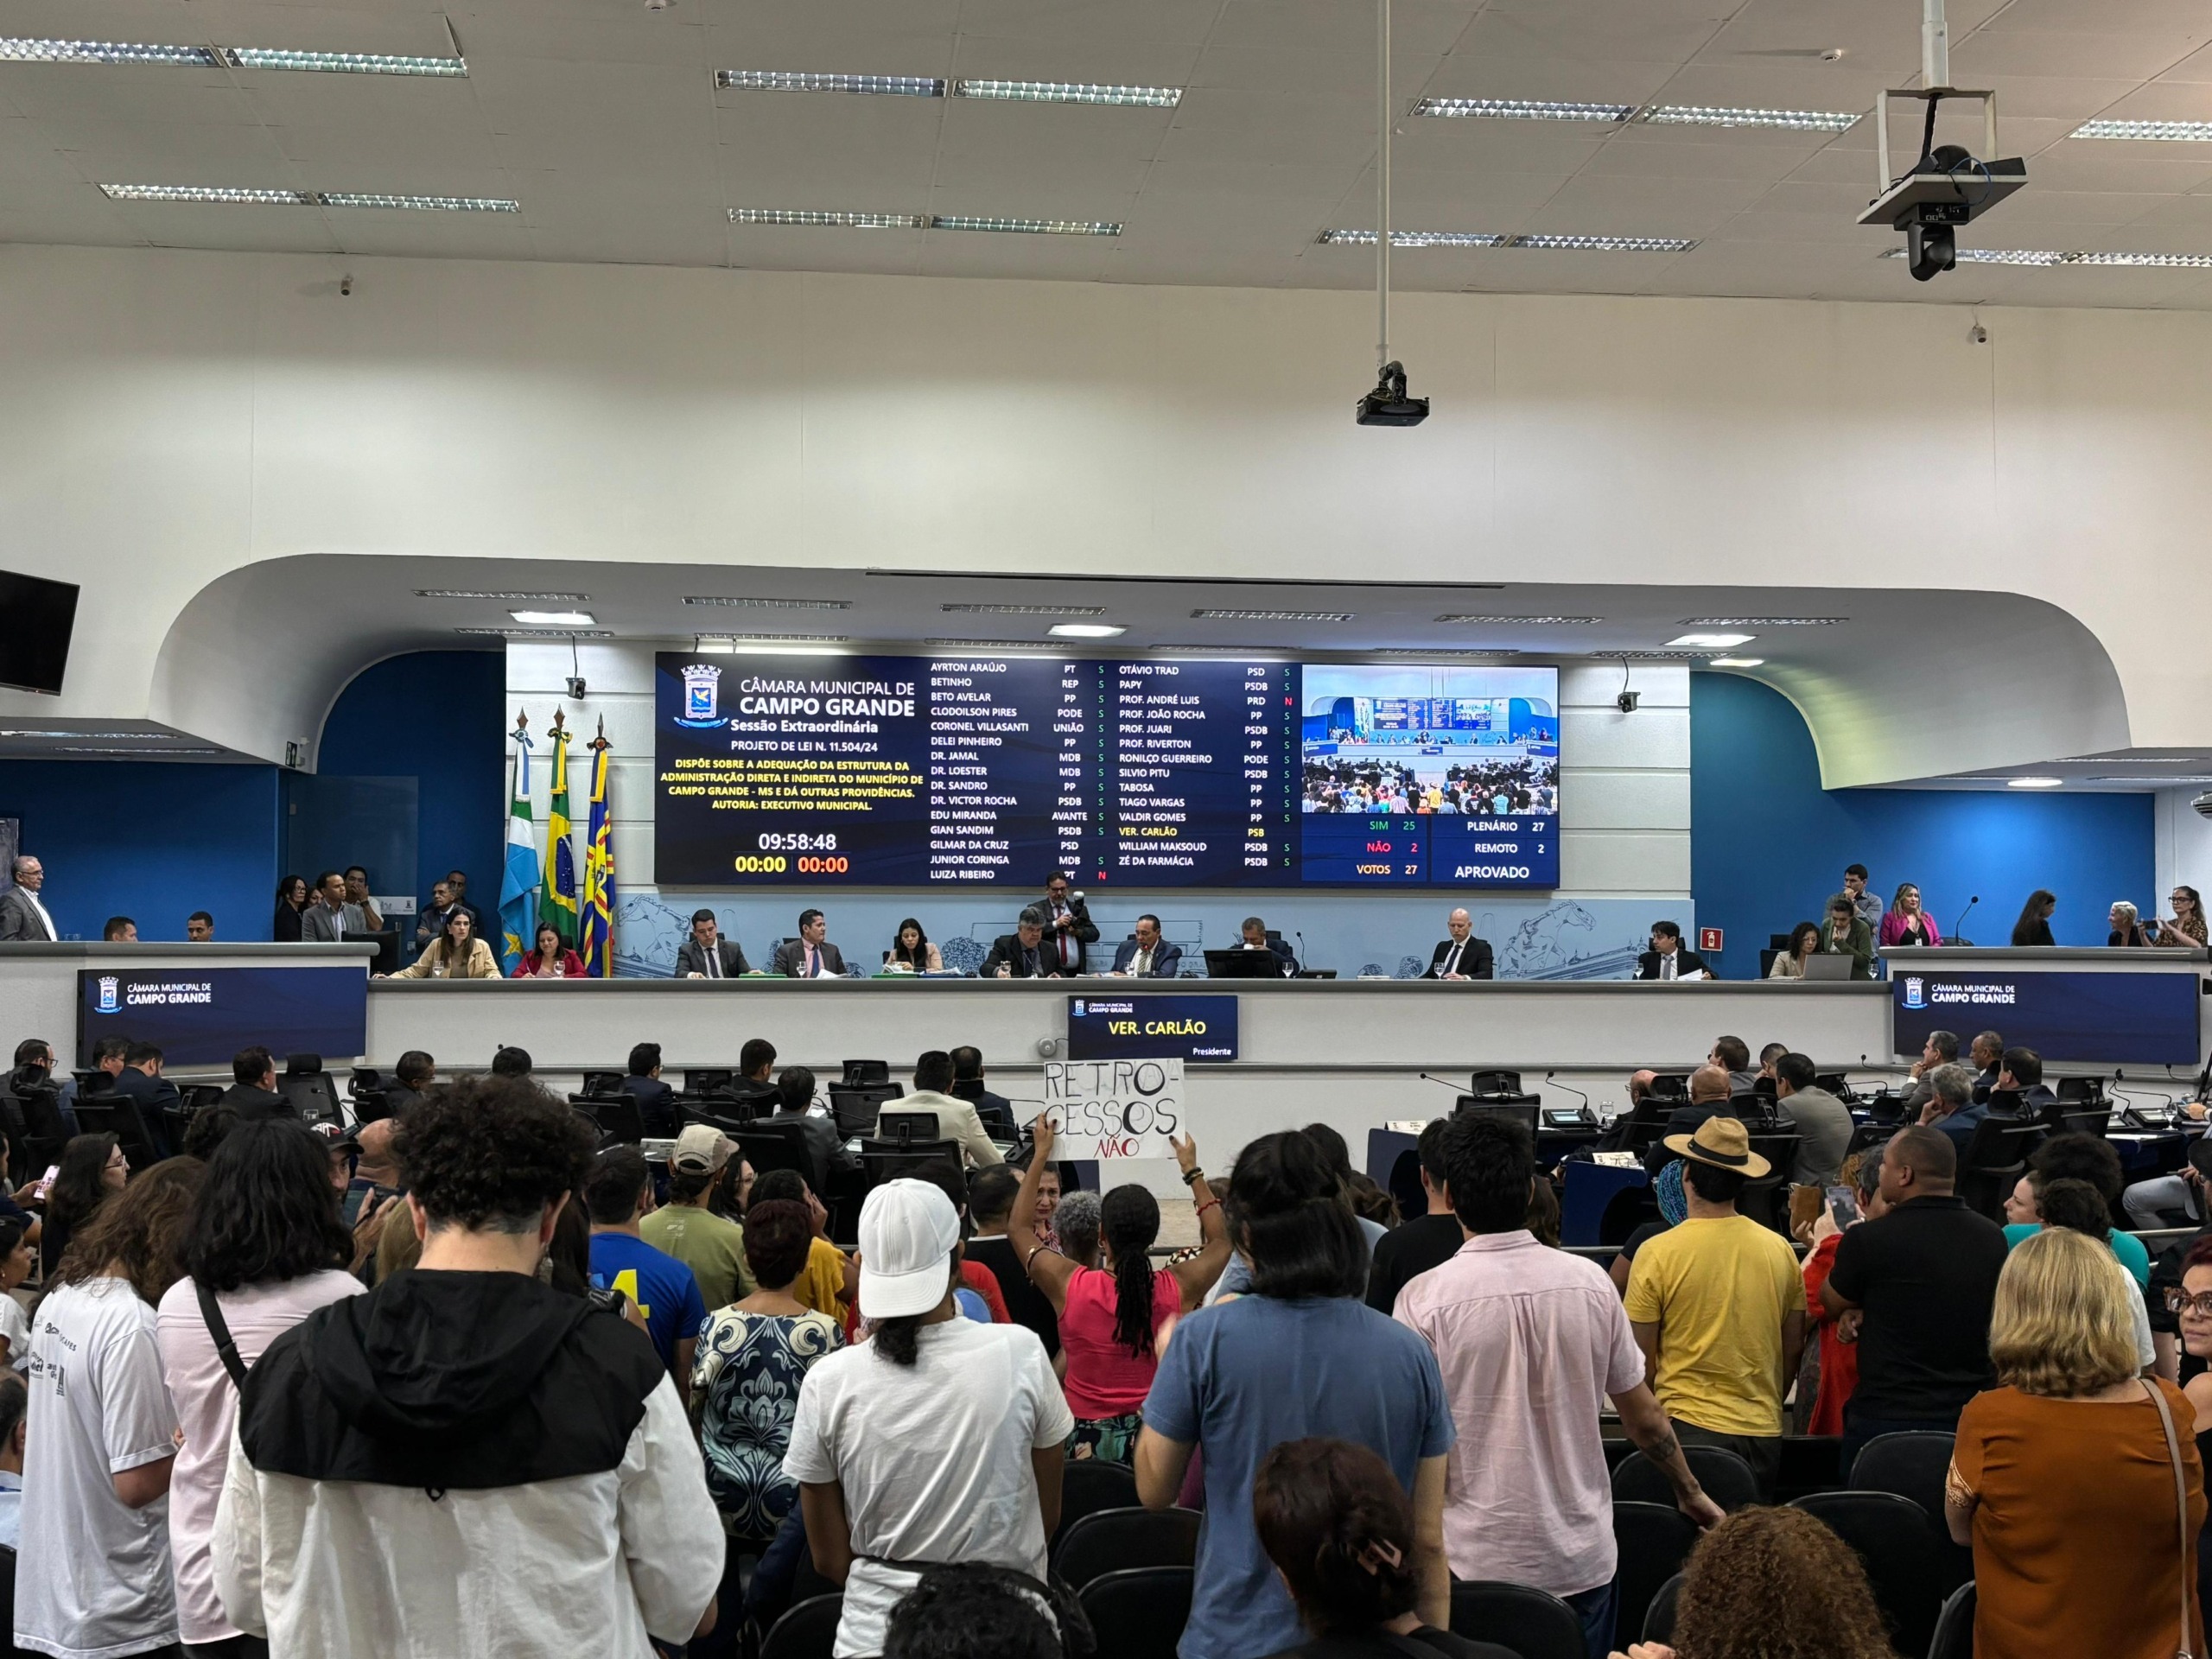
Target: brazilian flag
556	902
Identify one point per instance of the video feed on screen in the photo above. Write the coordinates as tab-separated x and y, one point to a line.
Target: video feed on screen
1468	742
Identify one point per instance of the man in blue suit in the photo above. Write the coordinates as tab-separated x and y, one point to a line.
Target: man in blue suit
1145	955
141	1078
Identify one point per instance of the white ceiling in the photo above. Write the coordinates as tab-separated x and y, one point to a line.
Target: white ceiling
601	119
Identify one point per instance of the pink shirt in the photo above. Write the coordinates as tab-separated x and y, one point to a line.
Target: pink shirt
208	1406
1530	1341
1104	1379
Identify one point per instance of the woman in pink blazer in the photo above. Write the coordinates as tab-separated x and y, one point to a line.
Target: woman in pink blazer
1907	923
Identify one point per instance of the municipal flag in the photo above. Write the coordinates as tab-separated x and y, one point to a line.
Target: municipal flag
558	904
518	886
598	943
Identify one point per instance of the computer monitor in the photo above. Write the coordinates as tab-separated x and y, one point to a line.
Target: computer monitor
1523	1112
1240	962
386	960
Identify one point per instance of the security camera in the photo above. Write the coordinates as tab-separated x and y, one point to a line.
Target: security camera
1627	701
576	688
1048	1046
345	284
1948	186
1978	334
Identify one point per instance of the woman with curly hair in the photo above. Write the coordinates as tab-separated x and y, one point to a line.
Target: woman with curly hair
1773	1584
94	1566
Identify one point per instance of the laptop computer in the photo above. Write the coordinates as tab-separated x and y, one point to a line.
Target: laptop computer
1831	966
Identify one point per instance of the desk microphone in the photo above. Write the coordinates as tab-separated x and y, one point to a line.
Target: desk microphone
1441	1083
1300	938
1963	914
1552	1078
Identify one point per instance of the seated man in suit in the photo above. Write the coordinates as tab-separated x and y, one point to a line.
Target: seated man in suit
2022	1077
706	954
142	1080
1669	958
1020	954
1256	938
756	1084
955	1118
811	956
1733	1056
1709	1091
825	1147
1951	1107
657	1112
1987	1054
1145	955
254	1095
995	1110
1463	956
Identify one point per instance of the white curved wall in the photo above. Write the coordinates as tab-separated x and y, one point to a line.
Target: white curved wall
169	418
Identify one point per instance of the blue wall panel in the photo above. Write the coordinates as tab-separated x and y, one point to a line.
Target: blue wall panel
434	715
1768	844
151	841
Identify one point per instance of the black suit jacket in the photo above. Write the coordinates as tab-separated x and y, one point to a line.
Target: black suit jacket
1475	961
1686	961
252	1103
995	1111
656	1104
690	959
1006	950
1083	932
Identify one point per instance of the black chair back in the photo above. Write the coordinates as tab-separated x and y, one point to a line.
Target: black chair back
807	1631
1727	1480
1498	1081
1954	1637
1114	1541
118	1114
177	1123
883	1162
1534	1624
1653	1540
1913	1466
1993	1161
1659	1622
1670	1085
1834	1083
866	1071
699	1084
2091	1120
1750	1107
371	1106
1766	1200
44	1131
1089	1487
312	1093
901	1129
603	1083
1137	1613
1893	1537
855	1108
775	1146
616	1116
1865	1137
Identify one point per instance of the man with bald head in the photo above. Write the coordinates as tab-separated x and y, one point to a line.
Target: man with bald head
1462	956
1710	1088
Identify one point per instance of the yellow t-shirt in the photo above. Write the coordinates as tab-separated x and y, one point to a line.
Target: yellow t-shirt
822	1286
1719	1291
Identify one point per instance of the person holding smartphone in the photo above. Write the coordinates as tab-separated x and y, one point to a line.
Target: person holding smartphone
1856	1197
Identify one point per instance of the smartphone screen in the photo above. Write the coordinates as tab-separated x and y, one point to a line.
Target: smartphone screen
1843	1205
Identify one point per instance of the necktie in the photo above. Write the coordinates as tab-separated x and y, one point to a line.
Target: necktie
1066	937
1667	966
715	960
809	961
1143	965
1029	960
1452	962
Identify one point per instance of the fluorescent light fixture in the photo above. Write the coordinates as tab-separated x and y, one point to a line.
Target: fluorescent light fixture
2034	783
1523	621
1431	653
2194	132
1608	243
783	81
1736	662
1694	115
1070	92
554	618
166	755
137	737
1086	630
1414	239
1763	621
787	650
2060	257
1710	641
175	57
236	196
770	603
735	640
2130	760
1525	109
1274	616
471	593
836	219
541	633
342	63
1025	226
987	644
2169	778
2156	261
1645	655
1025	610
1242	653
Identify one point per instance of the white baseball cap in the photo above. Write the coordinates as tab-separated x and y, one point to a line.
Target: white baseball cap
908	1232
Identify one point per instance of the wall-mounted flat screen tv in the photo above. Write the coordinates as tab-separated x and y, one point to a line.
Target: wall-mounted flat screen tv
37	619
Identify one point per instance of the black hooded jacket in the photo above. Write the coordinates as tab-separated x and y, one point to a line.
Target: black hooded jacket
448	1379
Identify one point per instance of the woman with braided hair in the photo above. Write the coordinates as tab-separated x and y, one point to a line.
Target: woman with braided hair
1110	1317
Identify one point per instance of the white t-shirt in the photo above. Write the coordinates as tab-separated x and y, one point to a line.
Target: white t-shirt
92	1575
933	1457
208	1406
16	1325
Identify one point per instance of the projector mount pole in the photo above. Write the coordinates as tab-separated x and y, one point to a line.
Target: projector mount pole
1934	46
1383	184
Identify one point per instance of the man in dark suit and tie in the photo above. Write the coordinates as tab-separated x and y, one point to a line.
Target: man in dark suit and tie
1463	956
706	954
996	1111
1669	957
1256	938
1020	954
254	1095
142	1080
811	956
1068	926
657	1112
1145	955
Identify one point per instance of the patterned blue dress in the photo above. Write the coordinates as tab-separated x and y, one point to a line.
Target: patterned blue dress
744	1383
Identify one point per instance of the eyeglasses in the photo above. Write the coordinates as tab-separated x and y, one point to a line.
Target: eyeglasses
2180	1302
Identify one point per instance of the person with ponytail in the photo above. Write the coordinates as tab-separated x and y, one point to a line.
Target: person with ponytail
1301	1354
1110	1317
937	1439
1336	1525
